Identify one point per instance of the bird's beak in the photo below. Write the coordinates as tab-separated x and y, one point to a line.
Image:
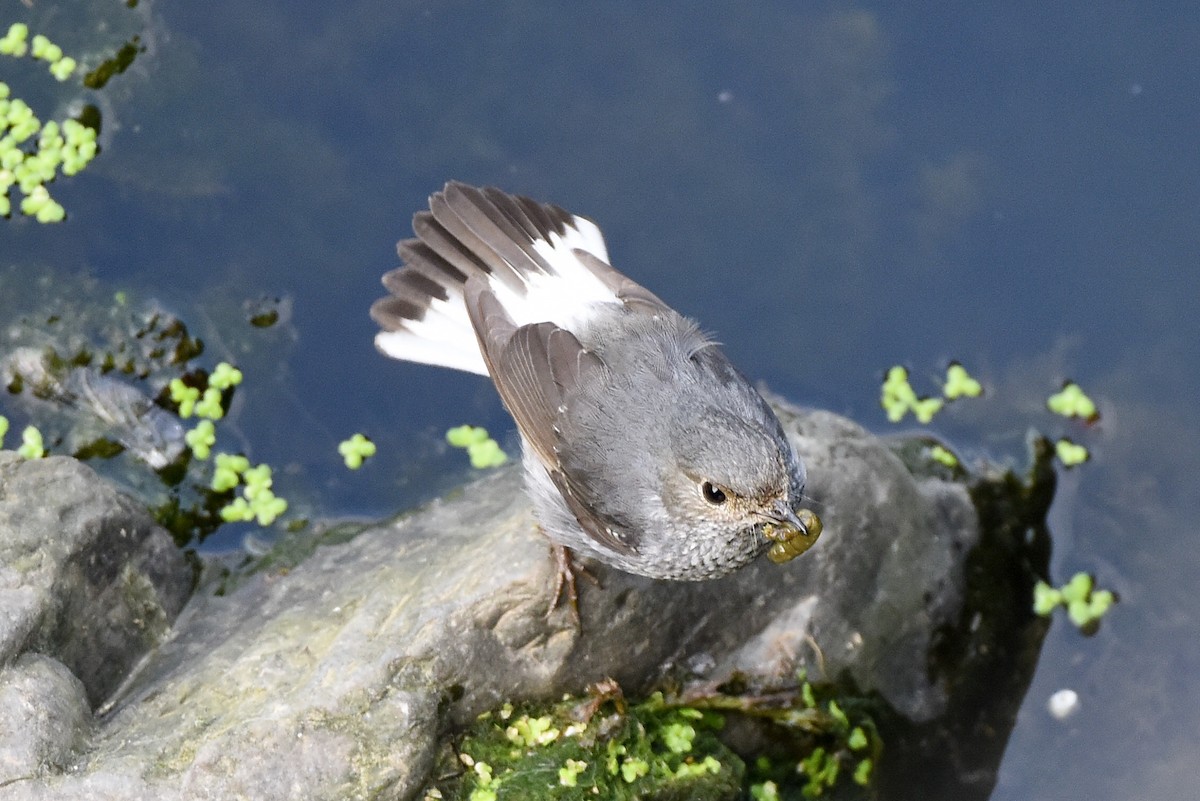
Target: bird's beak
782	515
791	533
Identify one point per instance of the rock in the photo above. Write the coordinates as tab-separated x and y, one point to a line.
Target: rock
332	680
43	715
86	576
88	584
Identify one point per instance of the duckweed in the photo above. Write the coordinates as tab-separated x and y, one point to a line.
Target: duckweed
356	450
483	451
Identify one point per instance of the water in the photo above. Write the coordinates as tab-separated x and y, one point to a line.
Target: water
831	189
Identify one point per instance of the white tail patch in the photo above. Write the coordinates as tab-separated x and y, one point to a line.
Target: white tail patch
443	337
566	296
409	347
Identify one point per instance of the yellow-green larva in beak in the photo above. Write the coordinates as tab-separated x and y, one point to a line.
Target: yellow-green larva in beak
791	541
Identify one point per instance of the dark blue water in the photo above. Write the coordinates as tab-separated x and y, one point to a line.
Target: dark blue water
830	188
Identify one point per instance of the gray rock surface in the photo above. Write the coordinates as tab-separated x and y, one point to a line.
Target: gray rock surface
88	584
333	679
86	575
43	716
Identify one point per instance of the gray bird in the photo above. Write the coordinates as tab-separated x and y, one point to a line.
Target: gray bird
643	446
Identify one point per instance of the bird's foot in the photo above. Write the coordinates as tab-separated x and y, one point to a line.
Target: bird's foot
599	694
565	573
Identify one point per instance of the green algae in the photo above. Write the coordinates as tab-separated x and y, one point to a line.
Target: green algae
663	748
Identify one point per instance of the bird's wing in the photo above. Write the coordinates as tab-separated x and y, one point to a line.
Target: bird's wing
536	369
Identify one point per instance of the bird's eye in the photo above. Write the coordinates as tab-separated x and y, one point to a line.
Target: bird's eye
712	493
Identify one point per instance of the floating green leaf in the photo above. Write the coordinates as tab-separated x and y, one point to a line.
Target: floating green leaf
13	43
897	395
201	439
355	450
482	449
63	68
257	501
960	384
59	146
209	406
1084	604
1071	454
227	473
185	397
1045	598
898	398
236	511
257	479
268	509
486	454
925	409
1078	588
224	376
465	435
1072	402
32	446
1101	601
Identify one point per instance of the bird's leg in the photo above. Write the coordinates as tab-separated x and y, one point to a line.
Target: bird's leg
565	573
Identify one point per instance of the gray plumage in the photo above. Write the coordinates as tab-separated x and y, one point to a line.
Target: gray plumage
643	446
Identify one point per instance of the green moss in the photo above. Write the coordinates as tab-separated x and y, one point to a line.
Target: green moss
647	752
141	599
661	749
943	456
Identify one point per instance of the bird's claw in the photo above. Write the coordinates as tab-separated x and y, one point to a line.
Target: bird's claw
566	571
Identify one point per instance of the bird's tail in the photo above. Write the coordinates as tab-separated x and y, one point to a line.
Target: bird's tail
539	260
